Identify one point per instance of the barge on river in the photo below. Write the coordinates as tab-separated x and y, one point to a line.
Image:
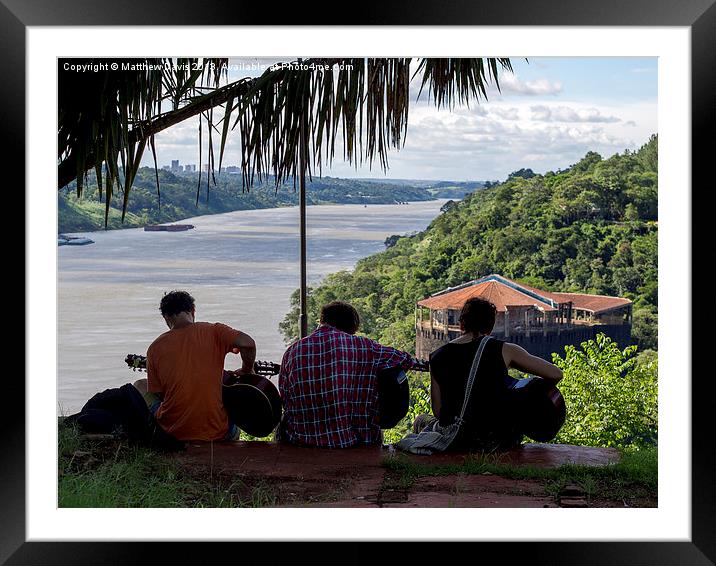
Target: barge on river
168	227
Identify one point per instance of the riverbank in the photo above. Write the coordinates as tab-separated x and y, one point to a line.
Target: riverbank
180	198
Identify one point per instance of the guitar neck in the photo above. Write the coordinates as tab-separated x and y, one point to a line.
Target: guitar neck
139	363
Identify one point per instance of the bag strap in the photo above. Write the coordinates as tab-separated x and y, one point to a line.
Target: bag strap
471	377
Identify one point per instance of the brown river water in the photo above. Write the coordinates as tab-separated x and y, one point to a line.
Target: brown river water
241	267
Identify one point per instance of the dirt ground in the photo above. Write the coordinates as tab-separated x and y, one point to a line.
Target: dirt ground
264	473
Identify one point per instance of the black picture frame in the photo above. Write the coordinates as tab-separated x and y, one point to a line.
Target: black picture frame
698	15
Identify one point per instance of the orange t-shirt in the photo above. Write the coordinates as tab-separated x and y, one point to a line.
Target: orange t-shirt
186	365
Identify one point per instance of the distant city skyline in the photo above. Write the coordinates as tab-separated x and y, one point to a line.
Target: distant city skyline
546	116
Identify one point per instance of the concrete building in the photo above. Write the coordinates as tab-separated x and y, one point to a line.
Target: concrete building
540	321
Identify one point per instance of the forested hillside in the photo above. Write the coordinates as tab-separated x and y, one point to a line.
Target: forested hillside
591	228
179	199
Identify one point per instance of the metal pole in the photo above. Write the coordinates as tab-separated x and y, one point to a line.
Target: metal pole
303	314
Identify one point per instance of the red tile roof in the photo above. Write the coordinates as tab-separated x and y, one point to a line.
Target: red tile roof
593	303
496	292
503	292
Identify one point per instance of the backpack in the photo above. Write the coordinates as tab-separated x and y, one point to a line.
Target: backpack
122	411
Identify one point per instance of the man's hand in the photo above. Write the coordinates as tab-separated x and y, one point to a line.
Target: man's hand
245	346
239	372
243	371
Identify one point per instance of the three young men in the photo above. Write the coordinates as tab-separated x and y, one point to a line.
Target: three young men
328	380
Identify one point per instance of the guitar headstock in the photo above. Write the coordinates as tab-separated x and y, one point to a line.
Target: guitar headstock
136	362
267	368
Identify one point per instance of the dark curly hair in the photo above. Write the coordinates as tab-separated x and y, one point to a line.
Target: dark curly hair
478	315
175	302
342	316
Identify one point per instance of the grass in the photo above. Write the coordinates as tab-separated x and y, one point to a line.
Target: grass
114	474
633	479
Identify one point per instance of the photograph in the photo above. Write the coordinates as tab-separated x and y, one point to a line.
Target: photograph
359	282
294	284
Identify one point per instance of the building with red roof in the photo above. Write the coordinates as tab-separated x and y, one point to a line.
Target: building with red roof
542	321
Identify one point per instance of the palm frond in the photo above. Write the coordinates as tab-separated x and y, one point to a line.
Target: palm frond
289	119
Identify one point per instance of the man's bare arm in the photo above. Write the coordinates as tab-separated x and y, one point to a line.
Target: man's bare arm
517	357
245	346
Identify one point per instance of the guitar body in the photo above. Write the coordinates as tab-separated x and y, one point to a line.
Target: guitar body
252	403
539	407
393	396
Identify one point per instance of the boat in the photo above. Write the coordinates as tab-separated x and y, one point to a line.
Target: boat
168	227
63	240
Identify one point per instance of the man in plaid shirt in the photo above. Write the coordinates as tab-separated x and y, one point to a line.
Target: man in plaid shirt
328	383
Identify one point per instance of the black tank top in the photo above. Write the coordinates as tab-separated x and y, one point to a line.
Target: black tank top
487	412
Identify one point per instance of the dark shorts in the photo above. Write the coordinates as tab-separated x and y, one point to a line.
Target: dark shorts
153	402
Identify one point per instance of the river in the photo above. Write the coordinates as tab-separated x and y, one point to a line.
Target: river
241	267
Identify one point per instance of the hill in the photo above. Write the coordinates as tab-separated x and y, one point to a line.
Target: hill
182	197
591	228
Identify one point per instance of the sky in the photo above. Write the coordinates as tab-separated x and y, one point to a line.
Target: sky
546	116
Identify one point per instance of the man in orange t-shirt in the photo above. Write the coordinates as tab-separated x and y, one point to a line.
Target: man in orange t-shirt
185	368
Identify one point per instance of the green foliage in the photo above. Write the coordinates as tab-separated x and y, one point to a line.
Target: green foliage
645	325
419	405
649	154
524	173
611	396
591	228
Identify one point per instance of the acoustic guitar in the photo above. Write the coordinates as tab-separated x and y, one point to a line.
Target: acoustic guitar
251	401
539	407
394	394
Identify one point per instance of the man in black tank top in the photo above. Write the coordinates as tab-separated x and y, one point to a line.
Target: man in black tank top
489	418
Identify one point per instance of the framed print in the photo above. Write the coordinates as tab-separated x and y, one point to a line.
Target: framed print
38	34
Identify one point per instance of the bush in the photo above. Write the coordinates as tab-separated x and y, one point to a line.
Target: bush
611	395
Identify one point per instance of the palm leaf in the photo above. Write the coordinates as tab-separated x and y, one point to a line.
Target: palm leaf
288	120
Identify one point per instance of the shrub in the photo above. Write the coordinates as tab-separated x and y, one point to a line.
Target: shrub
611	396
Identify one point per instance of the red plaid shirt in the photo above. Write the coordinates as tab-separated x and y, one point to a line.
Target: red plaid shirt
329	388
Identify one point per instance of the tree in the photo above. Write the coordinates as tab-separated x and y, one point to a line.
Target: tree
523	173
648	154
587	162
611	398
645	326
447	206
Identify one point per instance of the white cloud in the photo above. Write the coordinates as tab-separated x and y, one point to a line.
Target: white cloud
543	113
484	141
506	113
510	83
